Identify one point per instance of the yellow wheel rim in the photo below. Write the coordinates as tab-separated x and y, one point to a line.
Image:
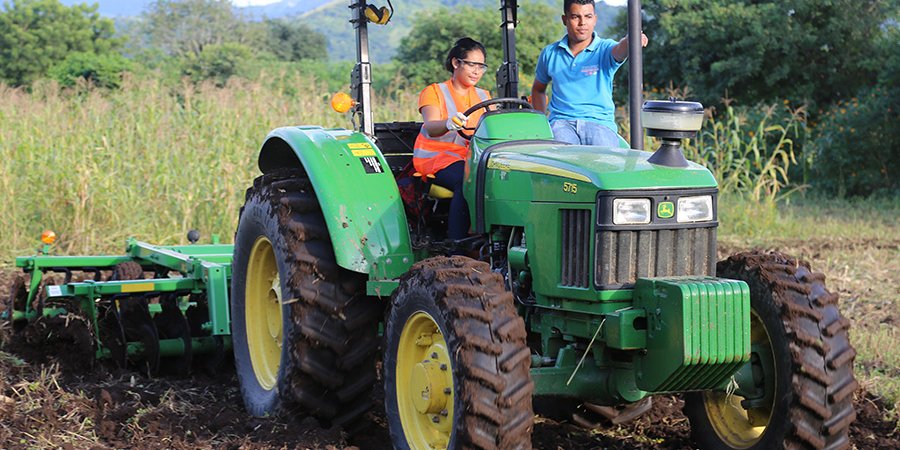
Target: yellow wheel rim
263	320
424	384
735	425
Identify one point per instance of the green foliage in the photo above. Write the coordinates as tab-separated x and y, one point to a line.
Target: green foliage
218	62
185	27
762	50
37	34
295	41
857	146
423	58
103	71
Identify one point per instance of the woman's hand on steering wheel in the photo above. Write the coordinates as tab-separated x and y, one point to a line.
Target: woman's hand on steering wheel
522	104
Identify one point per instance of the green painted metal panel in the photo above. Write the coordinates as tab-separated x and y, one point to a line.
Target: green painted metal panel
513	125
356	191
621	332
604	168
217	282
381	288
93	289
37	261
697	332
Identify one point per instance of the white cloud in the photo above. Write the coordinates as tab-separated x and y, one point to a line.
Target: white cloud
614	2
243	3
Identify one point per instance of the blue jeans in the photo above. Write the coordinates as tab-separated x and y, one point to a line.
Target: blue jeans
584	132
451	177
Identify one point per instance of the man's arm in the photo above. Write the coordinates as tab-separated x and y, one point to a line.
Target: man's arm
539	96
620	51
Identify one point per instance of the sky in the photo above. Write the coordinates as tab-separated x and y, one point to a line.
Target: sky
253	2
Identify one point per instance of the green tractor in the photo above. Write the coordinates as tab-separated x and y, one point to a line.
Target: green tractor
591	278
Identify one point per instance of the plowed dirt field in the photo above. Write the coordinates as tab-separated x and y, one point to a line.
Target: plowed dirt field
49	400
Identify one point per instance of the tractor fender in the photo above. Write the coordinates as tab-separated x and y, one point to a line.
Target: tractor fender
356	191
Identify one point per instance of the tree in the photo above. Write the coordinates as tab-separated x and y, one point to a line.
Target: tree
857	143
103	71
433	33
37	34
184	27
218	62
294	41
762	50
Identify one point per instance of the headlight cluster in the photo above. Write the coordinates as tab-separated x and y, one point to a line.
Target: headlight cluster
694	209
629	211
636	211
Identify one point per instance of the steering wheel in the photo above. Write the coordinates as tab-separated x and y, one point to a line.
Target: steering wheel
493	101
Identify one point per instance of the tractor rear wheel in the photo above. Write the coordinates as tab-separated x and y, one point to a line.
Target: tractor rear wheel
304	332
802	361
456	365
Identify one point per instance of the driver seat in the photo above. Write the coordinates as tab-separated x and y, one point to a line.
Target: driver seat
434	191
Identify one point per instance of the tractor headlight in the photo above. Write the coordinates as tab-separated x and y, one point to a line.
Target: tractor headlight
695	209
629	211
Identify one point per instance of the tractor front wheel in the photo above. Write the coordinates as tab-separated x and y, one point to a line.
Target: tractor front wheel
304	332
801	368
456	366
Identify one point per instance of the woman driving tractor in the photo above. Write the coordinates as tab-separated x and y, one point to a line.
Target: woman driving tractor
440	152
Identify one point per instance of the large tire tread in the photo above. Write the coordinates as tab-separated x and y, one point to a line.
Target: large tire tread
822	384
491	361
334	343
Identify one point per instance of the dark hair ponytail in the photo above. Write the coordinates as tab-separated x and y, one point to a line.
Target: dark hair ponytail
460	49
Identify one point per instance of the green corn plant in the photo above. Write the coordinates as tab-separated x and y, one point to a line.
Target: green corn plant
750	160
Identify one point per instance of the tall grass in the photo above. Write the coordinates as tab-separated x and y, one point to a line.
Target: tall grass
149	160
747	157
750	151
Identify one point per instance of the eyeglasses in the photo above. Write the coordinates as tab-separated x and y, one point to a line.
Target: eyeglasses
479	67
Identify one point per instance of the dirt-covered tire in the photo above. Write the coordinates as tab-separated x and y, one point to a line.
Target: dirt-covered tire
304	332
797	321
456	365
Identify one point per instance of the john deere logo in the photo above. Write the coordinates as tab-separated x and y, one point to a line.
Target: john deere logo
665	210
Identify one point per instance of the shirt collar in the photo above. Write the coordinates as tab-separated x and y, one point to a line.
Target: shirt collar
564	43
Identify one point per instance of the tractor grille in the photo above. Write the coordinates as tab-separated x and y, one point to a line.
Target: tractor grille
625	256
576	233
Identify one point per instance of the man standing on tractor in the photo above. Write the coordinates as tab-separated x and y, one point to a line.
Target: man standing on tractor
581	66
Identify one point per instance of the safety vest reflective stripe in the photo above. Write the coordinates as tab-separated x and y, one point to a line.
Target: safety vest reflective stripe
482	94
448	100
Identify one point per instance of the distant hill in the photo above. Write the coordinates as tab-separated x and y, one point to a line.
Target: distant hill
332	20
331	17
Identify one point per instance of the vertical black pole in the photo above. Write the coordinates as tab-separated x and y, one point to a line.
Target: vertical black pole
508	72
361	78
635	73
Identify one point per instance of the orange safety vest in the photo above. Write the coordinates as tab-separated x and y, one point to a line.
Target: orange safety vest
433	153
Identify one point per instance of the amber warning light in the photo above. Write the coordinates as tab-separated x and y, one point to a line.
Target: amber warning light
48	237
341	102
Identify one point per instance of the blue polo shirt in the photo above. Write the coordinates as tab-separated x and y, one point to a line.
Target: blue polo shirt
582	85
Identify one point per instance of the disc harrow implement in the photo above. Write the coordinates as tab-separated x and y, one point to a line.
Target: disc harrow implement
152	309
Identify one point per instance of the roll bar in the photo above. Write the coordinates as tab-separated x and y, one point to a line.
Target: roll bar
507	73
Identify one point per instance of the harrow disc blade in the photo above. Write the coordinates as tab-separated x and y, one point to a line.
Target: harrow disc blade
112	335
172	324
149	362
15	301
139	326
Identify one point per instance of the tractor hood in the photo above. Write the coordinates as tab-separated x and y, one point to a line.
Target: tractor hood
605	168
